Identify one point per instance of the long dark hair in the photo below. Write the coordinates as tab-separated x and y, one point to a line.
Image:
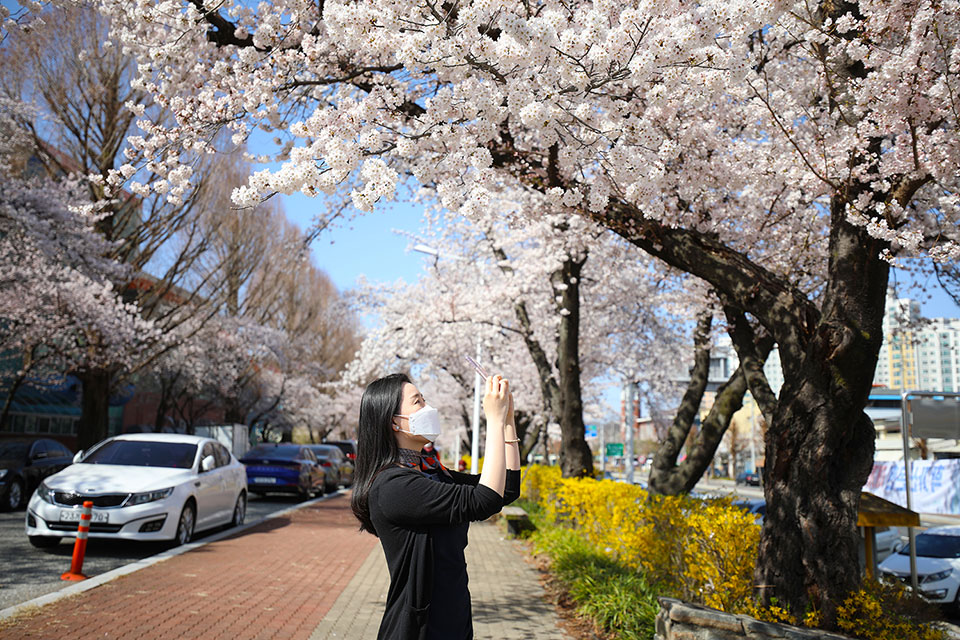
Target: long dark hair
376	445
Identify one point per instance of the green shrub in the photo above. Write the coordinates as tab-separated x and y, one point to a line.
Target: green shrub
616	598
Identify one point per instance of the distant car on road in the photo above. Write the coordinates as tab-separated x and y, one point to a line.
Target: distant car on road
144	486
284	468
757	507
751	478
349	448
339	469
938	565
24	463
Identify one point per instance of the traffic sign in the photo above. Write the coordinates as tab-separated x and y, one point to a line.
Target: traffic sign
614	449
591	431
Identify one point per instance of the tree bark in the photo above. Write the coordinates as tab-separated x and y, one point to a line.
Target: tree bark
820	445
576	458
663	472
94	407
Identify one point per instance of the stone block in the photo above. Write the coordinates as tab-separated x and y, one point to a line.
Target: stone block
760	630
706	618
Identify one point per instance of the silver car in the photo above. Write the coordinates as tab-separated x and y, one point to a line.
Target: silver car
938	564
144	486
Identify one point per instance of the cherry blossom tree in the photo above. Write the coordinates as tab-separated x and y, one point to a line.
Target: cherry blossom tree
750	144
82	109
557	333
62	311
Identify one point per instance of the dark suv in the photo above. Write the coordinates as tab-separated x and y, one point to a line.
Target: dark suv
349	448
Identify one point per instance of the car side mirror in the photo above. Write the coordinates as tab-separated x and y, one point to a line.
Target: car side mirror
208	463
79	456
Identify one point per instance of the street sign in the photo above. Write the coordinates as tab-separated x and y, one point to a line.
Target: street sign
614	449
935	415
591	431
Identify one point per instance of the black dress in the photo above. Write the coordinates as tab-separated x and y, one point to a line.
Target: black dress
421	513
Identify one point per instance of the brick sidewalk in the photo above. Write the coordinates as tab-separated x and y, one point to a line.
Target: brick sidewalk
307	574
275	580
508	601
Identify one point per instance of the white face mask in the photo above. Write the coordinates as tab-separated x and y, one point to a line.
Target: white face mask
423	422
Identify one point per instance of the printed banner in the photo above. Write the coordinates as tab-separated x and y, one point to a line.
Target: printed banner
934	484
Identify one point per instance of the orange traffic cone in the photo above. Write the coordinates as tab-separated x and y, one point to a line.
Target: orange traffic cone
80	546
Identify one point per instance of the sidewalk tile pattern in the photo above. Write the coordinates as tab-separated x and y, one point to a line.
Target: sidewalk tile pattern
274	581
508	601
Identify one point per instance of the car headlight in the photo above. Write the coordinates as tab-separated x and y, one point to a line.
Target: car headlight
45	493
148	496
936	577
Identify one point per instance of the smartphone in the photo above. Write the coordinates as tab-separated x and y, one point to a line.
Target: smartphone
479	369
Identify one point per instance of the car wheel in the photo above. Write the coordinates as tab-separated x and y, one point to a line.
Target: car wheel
44	542
239	510
14	496
188	520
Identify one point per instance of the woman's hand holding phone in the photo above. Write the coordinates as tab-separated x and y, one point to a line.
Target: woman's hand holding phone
497	401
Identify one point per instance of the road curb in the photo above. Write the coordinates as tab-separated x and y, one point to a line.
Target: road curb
113	574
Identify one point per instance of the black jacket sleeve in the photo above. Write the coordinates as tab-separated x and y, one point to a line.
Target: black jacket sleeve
406	497
511	489
465	478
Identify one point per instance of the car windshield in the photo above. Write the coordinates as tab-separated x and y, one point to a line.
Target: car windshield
284	452
322	452
930	545
14	450
144	453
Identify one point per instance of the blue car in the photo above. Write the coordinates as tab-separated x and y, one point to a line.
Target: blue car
284	468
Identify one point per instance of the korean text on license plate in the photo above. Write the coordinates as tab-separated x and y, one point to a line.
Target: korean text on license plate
73	515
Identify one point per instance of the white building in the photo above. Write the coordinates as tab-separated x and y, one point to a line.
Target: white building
918	353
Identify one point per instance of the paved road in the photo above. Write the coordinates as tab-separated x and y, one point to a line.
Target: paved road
29	572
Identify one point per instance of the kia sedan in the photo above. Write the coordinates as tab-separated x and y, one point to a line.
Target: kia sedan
938	565
144	486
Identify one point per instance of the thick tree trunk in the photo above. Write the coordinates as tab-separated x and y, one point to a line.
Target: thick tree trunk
94	407
576	458
232	413
820	445
663	471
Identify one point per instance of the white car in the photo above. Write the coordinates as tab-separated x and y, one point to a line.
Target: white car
938	564
144	486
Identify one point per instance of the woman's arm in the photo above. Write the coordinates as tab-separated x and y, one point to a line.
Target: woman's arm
512	452
496	404
511	487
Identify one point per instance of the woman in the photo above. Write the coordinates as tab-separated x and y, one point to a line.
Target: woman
420	510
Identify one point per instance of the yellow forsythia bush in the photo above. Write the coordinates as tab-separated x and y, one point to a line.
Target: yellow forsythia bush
701	551
885	612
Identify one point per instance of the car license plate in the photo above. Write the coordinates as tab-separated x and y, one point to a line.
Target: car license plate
265	480
73	515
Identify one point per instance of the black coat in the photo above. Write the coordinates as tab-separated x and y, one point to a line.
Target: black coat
420	518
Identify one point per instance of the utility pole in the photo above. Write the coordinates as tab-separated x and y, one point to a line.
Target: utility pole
603	451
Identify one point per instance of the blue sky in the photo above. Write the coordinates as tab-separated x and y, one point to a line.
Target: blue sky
366	245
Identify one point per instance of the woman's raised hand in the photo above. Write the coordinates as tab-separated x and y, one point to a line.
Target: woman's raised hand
497	400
